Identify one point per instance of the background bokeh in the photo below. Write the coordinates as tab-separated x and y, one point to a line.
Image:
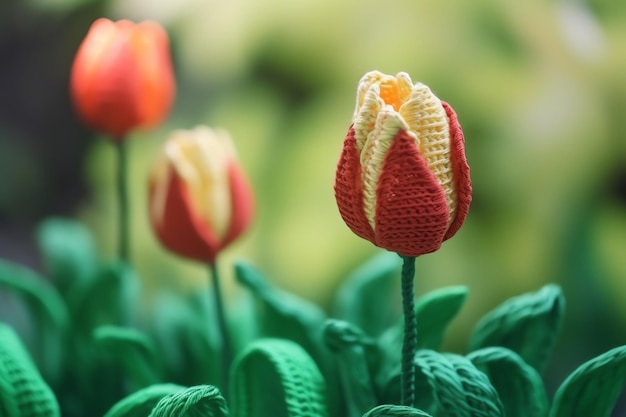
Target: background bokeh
539	87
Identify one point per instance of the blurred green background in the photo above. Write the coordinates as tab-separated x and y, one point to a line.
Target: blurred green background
539	87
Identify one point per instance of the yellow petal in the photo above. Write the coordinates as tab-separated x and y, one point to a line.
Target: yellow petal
366	115
388	124
427	120
201	157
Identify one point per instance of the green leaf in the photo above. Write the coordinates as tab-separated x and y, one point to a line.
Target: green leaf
284	315
140	403
133	349
68	252
447	385
519	385
527	324
186	339
276	377
199	400
375	283
391	410
48	309
434	312
23	392
593	388
350	346
107	299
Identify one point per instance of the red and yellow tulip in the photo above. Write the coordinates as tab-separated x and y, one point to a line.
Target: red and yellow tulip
402	180
200	199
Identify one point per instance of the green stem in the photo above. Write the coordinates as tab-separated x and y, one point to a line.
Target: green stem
122	198
410	332
227	352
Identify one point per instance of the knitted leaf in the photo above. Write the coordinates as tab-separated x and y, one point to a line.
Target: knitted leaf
350	346
140	403
527	324
374	283
447	385
186	339
282	314
107	299
133	349
47	308
390	410
434	311
593	388
275	377
23	392
519	385
68	252
196	401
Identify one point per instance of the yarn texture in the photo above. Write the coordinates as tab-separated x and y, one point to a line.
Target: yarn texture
23	392
402	180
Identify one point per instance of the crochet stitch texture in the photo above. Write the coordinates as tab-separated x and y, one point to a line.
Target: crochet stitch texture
402	180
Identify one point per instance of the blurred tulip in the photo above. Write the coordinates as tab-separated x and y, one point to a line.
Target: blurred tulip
200	199
122	76
402	180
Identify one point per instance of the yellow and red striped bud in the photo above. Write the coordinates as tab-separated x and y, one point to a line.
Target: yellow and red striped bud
200	199
402	180
122	76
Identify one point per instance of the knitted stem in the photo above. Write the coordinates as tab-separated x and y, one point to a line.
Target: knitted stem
410	332
227	353
122	198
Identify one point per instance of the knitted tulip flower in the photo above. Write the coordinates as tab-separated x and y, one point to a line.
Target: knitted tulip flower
122	79
200	201
402	180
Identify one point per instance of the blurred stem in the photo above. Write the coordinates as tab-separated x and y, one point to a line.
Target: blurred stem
122	198
409	343
227	353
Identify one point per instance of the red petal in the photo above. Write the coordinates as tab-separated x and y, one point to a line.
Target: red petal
411	210
349	189
242	204
180	229
460	171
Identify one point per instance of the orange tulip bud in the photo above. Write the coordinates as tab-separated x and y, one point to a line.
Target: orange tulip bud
402	180
199	198
122	76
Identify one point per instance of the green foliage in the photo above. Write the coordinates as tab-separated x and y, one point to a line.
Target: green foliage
447	385
275	377
141	402
199	400
434	311
363	289
23	392
134	350
293	360
68	252
351	347
518	384
593	388
48	310
390	410
527	324
283	315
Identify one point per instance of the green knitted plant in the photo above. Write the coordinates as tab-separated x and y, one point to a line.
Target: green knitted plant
294	359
